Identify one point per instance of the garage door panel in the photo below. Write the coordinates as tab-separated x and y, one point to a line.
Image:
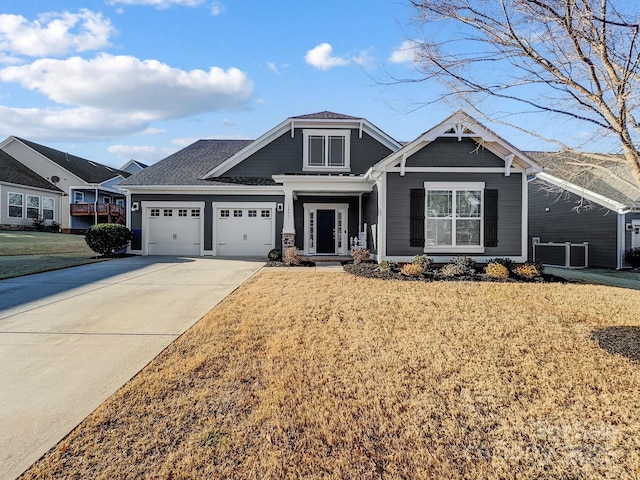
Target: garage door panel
174	231
244	230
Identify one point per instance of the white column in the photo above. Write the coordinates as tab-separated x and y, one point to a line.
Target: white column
288	225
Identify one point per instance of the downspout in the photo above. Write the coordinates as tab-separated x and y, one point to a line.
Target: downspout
95	207
621	240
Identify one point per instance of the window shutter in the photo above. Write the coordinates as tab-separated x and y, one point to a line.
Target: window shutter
416	219
491	218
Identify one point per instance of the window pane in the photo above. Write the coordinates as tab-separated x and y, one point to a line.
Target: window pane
47	214
316	150
15	199
47	203
468	203
15	211
468	232
438	232
438	203
336	151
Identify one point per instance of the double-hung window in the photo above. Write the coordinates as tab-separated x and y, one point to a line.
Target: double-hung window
48	206
33	206
326	150
15	205
453	216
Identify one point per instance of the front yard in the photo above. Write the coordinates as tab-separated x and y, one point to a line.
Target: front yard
326	375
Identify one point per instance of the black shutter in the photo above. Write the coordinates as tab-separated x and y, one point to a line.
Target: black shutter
416	221
491	218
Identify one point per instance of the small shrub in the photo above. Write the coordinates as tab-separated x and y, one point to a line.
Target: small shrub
275	255
387	266
466	264
38	224
411	270
291	256
424	261
360	255
452	270
506	262
54	227
527	270
632	257
497	270
108	238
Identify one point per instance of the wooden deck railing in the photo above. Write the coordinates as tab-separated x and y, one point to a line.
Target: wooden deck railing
114	213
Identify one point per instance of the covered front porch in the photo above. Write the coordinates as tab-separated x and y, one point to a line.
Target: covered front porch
324	214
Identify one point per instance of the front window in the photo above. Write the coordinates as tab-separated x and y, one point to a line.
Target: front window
15	205
326	150
48	206
33	206
453	216
78	197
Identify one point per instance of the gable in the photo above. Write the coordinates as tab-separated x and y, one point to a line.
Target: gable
12	171
449	152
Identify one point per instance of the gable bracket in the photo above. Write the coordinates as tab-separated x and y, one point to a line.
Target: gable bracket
508	160
293	128
403	164
360	129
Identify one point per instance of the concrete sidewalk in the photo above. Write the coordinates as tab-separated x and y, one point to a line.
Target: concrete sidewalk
70	338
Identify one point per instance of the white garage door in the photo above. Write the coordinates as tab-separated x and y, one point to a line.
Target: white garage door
242	230
173	231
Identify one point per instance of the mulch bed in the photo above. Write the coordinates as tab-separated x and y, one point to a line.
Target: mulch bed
371	270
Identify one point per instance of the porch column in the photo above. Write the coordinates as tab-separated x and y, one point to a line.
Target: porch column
288	225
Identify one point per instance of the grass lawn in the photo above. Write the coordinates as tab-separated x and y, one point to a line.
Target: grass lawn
23	253
325	375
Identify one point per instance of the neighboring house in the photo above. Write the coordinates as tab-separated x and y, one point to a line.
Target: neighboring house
25	195
133	166
90	189
318	181
586	198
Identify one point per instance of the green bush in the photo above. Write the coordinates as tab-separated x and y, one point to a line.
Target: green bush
108	238
424	262
387	266
632	257
39	224
451	270
275	255
466	264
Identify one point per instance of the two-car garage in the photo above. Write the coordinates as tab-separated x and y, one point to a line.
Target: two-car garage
237	229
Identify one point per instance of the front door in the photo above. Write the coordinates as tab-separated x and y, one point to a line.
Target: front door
326	231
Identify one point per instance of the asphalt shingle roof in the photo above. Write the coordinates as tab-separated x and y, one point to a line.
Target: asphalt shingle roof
87	170
607	175
186	166
326	116
12	171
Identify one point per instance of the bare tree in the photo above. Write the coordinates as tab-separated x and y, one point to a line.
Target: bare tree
574	58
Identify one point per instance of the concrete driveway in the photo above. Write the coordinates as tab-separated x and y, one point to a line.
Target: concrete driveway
70	338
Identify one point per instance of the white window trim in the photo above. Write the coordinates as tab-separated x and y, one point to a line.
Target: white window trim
53	209
27	207
105	198
453	187
326	133
22	206
78	197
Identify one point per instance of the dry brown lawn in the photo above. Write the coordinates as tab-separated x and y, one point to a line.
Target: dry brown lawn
331	376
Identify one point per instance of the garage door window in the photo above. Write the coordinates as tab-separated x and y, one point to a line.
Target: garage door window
182	212
224	213
155	212
168	212
237	213
265	213
195	213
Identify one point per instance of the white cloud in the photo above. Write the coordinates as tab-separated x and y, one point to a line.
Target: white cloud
227	123
364	59
320	57
408	52
140	152
148	89
217	8
272	66
54	33
159	4
153	131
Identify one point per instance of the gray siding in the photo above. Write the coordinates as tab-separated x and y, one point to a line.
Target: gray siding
298	208
449	152
136	217
562	224
370	217
284	155
509	210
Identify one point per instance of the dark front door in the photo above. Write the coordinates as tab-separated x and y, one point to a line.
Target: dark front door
326	231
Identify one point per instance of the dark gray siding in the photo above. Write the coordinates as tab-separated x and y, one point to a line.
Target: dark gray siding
298	209
370	217
562	224
284	155
509	209
136	217
449	152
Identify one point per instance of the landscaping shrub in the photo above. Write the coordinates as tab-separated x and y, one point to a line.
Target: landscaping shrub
38	224
360	255
275	255
506	262
497	270
424	261
466	264
452	270
528	270
632	257
108	238
291	256
54	227
387	266
411	270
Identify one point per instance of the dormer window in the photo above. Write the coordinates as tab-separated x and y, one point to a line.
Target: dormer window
326	150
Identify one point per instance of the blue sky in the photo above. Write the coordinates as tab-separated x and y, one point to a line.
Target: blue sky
111	80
